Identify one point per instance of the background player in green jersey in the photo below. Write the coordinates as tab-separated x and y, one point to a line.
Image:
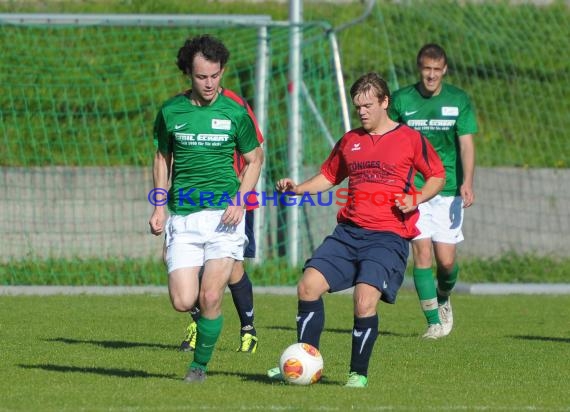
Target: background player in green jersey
443	113
196	135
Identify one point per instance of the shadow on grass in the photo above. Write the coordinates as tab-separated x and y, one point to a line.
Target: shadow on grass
344	331
262	378
540	338
398	335
112	344
121	373
132	373
290	328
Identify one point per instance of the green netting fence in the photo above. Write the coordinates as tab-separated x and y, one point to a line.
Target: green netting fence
513	60
77	105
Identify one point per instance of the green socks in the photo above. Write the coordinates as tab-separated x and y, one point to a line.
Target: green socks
208	333
445	283
425	287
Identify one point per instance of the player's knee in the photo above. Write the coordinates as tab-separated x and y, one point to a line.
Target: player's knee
303	290
364	308
365	300
422	257
445	265
237	272
422	250
180	304
210	298
311	287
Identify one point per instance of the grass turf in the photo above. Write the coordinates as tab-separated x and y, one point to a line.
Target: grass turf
70	353
508	268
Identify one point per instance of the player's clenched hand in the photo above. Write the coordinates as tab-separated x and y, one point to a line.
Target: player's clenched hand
407	204
157	221
232	215
286	185
467	195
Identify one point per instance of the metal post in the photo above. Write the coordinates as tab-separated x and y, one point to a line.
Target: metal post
261	110
295	153
340	81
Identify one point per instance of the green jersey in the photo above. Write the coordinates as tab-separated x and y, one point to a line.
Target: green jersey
442	119
202	140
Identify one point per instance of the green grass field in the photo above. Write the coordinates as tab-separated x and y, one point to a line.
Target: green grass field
508	268
94	353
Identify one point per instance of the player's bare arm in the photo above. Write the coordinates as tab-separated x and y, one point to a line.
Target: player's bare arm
160	175
253	160
314	185
467	153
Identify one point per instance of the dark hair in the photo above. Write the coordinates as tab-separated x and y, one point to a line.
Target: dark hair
371	82
431	51
208	46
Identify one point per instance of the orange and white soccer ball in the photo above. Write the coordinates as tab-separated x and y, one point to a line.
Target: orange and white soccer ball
301	364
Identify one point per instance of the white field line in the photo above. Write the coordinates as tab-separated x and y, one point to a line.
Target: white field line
266	407
472	289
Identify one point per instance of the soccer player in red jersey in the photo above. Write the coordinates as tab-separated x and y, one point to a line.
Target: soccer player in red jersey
369	247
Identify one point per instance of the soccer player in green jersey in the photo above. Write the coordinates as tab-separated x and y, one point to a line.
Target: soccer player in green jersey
444	114
196	135
240	285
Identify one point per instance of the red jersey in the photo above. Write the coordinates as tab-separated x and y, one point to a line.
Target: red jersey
239	161
380	169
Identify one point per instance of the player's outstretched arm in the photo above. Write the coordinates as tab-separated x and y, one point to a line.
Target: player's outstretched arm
314	185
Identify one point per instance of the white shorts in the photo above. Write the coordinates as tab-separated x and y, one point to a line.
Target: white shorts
193	239
441	219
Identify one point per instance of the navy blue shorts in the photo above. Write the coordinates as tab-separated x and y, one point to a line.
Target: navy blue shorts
352	255
249	251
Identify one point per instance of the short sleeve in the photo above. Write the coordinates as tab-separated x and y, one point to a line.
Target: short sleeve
466	122
394	108
246	134
161	136
334	167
